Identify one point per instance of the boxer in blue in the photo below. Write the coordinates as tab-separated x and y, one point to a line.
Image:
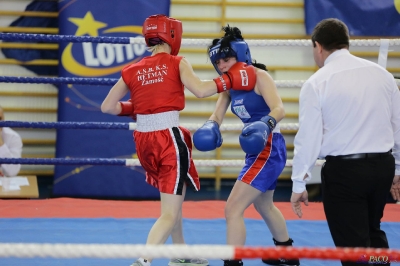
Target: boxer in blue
260	110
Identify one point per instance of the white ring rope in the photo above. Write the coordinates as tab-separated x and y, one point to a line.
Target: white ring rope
225	127
58	250
289	83
293	42
299	83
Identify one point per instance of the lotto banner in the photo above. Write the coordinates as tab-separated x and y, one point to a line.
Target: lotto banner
363	18
81	103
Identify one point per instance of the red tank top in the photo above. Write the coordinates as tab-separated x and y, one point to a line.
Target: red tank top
155	84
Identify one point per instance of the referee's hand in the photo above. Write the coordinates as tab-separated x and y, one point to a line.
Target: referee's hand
395	189
296	200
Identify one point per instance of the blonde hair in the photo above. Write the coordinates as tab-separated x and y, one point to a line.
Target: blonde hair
153	48
157	47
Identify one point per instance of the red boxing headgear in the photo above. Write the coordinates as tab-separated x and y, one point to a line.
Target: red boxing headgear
167	29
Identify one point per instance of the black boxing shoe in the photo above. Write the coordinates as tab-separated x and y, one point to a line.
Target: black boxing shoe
233	263
282	261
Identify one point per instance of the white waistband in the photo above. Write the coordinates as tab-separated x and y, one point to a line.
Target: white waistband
154	122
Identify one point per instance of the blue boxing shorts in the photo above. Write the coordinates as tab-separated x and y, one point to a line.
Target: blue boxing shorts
262	170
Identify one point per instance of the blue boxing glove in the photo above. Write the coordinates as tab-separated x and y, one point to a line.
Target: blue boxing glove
208	137
254	136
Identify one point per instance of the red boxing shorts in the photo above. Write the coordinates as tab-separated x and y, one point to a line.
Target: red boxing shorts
262	170
166	156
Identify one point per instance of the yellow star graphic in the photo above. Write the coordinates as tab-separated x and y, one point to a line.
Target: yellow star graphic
397	5
87	25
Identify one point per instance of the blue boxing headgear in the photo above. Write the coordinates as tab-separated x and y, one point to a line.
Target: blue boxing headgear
238	49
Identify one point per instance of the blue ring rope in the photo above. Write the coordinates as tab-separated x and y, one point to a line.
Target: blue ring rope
59	80
63	161
66	125
65	38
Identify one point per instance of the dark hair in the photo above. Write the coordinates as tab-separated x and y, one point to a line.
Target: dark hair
331	34
232	34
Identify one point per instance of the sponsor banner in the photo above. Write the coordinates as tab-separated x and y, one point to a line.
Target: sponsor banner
363	18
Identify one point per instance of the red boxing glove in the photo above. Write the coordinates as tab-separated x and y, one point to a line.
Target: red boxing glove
239	77
126	109
223	83
242	76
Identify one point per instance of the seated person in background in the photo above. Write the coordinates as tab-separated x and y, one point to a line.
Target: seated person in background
10	147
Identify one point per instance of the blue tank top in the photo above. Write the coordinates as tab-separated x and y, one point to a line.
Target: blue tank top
248	105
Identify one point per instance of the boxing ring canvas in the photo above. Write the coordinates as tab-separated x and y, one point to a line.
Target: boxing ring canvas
81	103
85	221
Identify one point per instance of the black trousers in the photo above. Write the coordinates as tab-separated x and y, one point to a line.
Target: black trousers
354	193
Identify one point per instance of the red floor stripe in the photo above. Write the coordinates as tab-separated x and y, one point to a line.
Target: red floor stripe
89	208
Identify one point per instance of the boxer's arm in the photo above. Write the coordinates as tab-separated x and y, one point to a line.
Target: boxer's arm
222	105
111	103
266	87
255	135
200	88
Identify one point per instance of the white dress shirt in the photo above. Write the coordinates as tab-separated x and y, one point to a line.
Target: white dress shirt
350	105
12	148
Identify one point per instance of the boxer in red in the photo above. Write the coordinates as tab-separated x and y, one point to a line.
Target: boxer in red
156	86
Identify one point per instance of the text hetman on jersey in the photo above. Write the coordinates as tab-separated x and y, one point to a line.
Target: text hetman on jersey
152	75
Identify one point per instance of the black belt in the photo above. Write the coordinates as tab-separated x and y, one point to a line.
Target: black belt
357	156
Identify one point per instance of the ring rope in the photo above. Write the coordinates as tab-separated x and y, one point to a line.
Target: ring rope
68	125
58	250
118	125
109	81
59	80
185	42
124	162
112	81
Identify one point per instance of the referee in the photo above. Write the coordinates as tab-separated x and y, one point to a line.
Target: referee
350	115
